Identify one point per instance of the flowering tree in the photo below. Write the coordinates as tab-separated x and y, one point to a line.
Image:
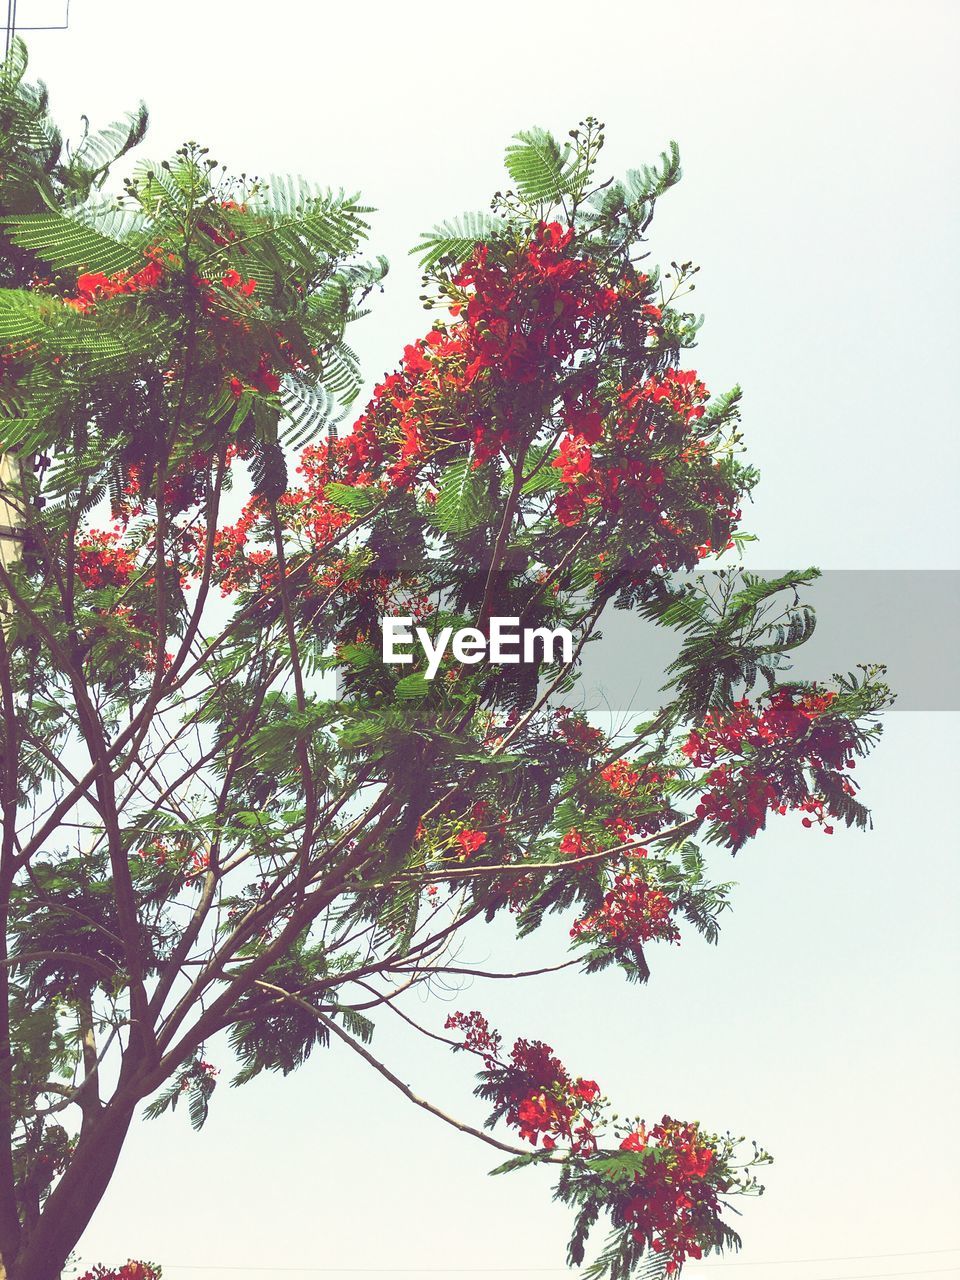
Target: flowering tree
202	840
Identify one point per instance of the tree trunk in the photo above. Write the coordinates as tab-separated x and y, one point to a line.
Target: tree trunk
74	1200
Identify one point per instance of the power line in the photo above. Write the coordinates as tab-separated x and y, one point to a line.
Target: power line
13	26
486	1271
772	1262
891	1275
850	1257
879	1275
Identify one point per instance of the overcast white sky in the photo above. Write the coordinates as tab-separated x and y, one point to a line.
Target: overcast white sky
819	144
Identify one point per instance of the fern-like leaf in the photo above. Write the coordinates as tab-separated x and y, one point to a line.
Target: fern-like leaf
459	504
453	241
309	409
540	167
65	243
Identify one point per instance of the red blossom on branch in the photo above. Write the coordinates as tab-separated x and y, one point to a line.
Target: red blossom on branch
632	912
663	1184
761	748
129	1271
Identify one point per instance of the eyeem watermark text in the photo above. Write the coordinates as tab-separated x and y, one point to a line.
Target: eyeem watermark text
506	643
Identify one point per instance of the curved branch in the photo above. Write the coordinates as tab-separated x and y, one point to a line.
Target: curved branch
468	873
396	1081
485	973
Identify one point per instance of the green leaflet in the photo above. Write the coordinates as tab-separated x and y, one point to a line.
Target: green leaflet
460	505
23	435
309	409
22	314
650	182
412	686
111	219
357	499
65	243
541	475
541	168
96	151
454	239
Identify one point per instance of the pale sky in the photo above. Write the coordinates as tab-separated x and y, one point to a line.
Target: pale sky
819	146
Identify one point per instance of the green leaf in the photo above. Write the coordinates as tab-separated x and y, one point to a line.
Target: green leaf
538	165
623	1164
650	182
21	313
357	499
309	408
415	685
358	1026
358	655
23	435
65	243
97	151
459	506
454	240
542	476
519	1162
268	469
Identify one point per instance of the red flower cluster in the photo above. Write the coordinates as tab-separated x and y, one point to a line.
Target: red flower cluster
523	353
478	1036
129	1271
575	844
681	390
262	378
101	561
577	732
234	280
632	912
653	415
738	799
528	315
626	796
620	777
524	317
763	748
189	863
232	563
543	1102
533	1090
787	716
306	512
672	1206
257	377
197	1073
470	841
665	1187
94	286
520	318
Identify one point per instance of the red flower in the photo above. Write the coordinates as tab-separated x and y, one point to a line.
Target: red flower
632	912
620	777
93	286
759	749
573	843
102	562
470	841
